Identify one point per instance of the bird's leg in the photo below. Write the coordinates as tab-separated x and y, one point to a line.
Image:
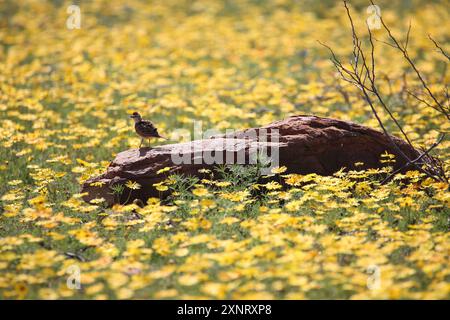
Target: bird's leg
142	141
149	144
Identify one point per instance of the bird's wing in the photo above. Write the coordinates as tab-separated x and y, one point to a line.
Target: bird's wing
147	125
147	128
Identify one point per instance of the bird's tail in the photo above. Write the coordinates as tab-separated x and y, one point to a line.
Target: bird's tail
160	136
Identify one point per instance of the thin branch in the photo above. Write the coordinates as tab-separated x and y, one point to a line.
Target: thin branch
445	54
362	71
386	43
425	153
420	99
404	51
407	36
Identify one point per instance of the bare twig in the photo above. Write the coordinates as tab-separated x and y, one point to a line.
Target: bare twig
403	49
362	74
412	94
425	153
407	36
445	54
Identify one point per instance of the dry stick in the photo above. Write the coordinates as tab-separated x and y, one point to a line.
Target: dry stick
339	67
355	78
366	97
407	35
371	74
404	51
375	91
439	105
445	54
409	161
420	99
387	179
371	77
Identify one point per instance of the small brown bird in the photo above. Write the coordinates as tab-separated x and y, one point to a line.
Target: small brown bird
144	128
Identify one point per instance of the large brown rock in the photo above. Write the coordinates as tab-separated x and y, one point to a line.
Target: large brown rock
305	144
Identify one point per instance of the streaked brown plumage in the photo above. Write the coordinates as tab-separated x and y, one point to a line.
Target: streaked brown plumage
144	128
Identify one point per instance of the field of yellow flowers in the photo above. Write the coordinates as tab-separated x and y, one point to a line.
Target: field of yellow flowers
65	96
